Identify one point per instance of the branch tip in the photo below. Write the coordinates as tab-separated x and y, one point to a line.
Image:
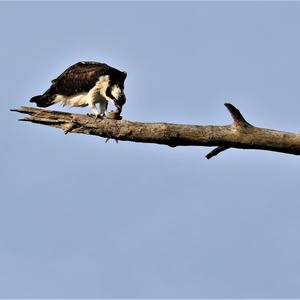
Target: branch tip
236	115
26	119
69	127
216	151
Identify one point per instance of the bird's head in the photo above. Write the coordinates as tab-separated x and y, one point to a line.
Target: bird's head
116	91
119	102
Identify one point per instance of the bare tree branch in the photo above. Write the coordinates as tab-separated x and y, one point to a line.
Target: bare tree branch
240	134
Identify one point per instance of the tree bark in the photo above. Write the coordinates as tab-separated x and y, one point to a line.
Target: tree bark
240	134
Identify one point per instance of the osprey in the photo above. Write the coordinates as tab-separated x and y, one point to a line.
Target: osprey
85	84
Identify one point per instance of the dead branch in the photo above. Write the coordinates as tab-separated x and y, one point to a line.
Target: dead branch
240	134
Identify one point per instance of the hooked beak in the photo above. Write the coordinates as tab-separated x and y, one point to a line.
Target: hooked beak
119	108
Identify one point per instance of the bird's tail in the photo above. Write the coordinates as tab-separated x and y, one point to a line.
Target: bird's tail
42	100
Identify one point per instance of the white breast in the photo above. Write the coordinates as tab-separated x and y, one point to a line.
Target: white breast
116	91
102	85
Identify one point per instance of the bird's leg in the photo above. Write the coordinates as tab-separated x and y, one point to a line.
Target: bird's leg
103	108
94	110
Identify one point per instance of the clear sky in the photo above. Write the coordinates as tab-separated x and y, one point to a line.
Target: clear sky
81	218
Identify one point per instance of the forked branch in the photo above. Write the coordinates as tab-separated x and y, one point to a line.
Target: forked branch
240	134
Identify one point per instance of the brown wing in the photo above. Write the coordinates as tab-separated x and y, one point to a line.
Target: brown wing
80	77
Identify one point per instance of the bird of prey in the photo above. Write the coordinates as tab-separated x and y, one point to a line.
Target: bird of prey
86	83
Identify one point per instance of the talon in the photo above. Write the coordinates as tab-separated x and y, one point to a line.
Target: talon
99	116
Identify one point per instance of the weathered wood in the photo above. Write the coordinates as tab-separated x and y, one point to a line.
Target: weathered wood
240	134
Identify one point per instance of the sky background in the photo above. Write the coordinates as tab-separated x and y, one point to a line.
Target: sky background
81	218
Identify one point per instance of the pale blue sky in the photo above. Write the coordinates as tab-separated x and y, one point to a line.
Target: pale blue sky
81	218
